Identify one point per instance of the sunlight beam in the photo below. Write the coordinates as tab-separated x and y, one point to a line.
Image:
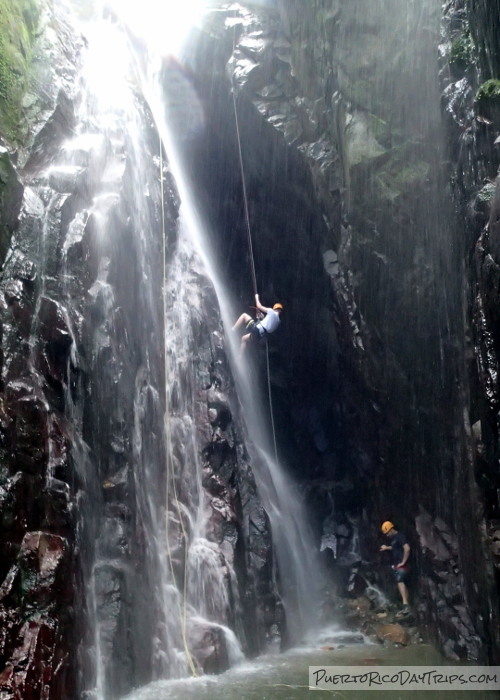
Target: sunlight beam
164	24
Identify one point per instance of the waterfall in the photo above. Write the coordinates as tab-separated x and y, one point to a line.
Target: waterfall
159	465
300	579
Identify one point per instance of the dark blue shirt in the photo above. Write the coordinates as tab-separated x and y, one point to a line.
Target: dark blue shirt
397	542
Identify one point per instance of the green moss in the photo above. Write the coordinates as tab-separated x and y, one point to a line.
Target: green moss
488	101
18	24
462	53
490	90
486	194
401	173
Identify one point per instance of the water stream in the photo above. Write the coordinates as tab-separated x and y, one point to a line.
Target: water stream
286	676
300	576
143	438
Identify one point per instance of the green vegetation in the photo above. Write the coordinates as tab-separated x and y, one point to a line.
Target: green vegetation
462	53
18	25
488	100
486	194
490	90
402	172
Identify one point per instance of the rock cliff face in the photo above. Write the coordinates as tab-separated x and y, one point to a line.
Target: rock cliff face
348	164
370	215
470	98
102	469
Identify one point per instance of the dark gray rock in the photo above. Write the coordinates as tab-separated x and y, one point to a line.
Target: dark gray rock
11	193
208	646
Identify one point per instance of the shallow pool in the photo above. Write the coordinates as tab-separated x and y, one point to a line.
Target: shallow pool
286	676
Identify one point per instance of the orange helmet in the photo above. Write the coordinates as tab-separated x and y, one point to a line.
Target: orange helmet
278	306
387	527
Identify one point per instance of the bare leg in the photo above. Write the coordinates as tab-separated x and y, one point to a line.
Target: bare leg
403	590
243	320
244	342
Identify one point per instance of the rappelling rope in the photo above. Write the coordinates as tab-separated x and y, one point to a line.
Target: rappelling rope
245	198
168	432
250	247
271	403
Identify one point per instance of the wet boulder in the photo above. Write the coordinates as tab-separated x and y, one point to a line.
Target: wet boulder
30	641
18	301
35	668
66	178
208	645
11	194
58	127
392	634
42	562
53	323
27	435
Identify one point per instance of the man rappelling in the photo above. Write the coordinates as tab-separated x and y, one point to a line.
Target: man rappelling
257	329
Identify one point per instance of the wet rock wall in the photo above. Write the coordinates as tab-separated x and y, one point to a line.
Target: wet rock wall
83	436
469	77
349	176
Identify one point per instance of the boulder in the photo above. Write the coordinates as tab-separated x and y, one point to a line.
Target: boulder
392	633
11	195
207	643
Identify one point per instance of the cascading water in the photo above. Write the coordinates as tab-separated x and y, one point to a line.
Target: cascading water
119	349
94	362
153	559
209	597
300	581
140	458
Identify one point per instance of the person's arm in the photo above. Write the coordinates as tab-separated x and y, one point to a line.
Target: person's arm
406	555
386	548
264	309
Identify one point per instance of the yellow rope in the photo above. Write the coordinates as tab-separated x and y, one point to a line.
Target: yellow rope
168	433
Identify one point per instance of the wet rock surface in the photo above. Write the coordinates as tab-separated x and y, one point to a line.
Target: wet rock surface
380	422
385	402
473	129
37	491
379	621
208	647
86	479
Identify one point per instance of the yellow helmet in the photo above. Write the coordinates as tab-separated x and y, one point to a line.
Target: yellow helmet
278	306
387	527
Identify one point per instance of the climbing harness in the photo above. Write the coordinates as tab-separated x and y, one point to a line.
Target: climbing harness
252	261
168	432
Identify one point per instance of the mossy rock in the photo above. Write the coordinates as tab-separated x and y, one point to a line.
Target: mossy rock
484	198
393	182
488	100
462	54
18	26
401	173
489	90
486	194
361	134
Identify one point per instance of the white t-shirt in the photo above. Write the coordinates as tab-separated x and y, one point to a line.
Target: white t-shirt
271	321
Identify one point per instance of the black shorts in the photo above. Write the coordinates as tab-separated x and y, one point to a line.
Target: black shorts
254	331
402	575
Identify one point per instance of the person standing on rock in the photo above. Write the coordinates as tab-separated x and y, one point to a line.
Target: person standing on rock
257	329
400	556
